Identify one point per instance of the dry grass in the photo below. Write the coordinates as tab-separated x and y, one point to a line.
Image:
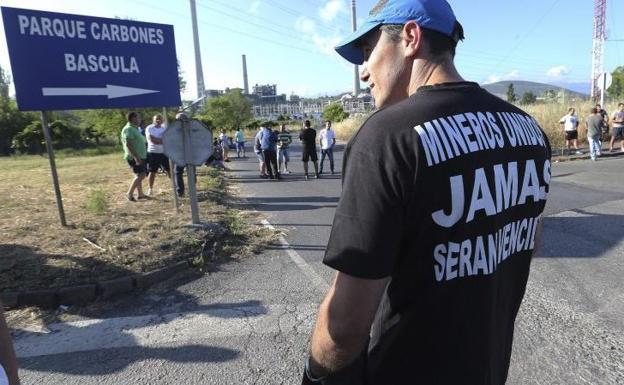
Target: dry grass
547	115
36	252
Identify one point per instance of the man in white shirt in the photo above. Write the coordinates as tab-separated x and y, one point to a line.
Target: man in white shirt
570	127
618	128
327	139
156	158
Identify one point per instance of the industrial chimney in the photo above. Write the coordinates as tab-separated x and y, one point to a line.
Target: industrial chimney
356	80
245	79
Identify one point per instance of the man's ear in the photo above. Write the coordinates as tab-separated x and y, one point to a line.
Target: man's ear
412	39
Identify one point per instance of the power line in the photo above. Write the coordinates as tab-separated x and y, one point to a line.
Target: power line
537	24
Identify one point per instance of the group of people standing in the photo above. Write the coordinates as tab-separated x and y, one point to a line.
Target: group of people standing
272	149
144	153
597	125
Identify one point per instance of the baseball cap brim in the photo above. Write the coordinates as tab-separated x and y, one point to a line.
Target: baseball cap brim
349	48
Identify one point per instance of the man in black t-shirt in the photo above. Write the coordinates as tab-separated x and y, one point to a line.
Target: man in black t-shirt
443	191
308	140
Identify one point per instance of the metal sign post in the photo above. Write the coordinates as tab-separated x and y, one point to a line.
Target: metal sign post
57	189
190	168
176	202
189	143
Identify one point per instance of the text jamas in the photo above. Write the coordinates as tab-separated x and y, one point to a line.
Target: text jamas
485	192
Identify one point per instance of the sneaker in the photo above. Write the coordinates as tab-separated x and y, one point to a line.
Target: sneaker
332	172
317	176
598	153
579	152
287	171
264	176
306	177
149	192
130	198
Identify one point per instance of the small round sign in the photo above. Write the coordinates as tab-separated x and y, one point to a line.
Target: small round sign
199	141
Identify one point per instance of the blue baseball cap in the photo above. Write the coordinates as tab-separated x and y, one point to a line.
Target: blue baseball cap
436	15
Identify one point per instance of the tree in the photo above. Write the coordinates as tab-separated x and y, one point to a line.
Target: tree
551	95
528	98
181	81
334	112
511	94
230	111
616	90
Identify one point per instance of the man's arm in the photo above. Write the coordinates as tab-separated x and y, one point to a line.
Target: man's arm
133	152
343	323
8	360
155	140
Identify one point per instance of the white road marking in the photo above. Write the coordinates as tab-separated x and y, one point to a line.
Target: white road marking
316	279
176	329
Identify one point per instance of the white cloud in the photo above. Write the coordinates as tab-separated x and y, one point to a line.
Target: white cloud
513	75
254	6
331	9
305	25
557	72
325	44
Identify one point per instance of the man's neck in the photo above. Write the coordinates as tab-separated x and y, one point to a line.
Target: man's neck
429	73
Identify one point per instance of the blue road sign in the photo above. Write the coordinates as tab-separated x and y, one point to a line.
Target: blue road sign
62	62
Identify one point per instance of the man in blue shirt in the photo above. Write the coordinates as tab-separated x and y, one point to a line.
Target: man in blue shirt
268	145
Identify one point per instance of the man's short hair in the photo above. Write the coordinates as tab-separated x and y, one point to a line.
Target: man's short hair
594	110
131	115
328	121
440	45
306	123
620	104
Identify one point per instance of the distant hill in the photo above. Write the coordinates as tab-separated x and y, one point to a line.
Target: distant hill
538	89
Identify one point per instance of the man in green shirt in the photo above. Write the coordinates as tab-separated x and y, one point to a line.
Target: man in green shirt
135	153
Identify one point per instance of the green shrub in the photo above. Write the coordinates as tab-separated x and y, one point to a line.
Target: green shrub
97	201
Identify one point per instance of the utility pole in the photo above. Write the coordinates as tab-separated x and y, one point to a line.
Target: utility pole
199	74
600	35
356	80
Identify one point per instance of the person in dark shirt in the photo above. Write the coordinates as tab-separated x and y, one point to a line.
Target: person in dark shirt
443	191
308	139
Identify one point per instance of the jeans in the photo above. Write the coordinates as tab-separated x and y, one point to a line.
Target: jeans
179	178
330	154
282	156
595	146
240	148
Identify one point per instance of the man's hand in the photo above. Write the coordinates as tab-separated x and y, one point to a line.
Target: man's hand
8	360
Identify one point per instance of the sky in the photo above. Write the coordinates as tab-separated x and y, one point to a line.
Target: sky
290	42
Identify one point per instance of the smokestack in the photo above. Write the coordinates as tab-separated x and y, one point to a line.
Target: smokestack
356	80
199	74
245	79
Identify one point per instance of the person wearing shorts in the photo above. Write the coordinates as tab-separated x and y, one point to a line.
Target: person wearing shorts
156	158
618	128
308	139
570	127
135	153
283	142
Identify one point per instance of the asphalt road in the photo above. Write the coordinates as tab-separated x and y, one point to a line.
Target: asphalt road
249	322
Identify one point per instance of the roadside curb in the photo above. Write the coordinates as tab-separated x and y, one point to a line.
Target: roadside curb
585	156
86	293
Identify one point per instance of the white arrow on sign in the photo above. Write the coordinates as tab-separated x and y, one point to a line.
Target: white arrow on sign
110	91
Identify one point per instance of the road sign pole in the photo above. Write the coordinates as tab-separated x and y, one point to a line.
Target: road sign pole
172	166
190	168
55	182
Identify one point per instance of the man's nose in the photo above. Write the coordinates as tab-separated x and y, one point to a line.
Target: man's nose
364	75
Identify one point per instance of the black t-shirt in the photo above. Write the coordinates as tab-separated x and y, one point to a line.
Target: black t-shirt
443	193
308	137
